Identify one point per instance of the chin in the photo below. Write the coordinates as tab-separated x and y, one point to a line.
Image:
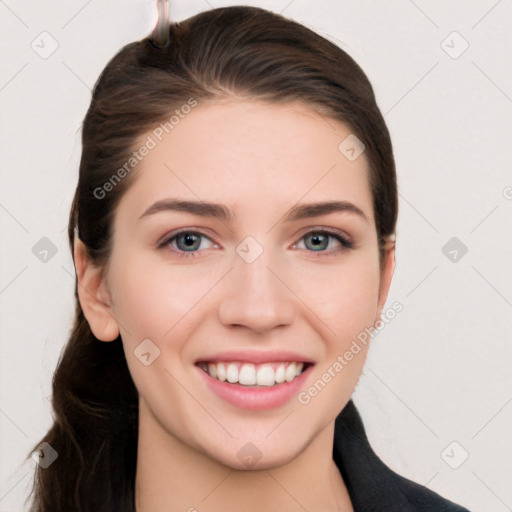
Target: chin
258	455
250	458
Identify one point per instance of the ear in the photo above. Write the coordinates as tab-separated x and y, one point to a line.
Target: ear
386	273
93	295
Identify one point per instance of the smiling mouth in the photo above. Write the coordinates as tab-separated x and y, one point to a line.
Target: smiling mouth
254	375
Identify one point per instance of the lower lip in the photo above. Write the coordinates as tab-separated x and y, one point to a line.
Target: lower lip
255	399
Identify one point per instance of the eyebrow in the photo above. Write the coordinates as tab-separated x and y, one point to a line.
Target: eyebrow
223	213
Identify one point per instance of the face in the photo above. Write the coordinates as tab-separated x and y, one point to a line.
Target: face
221	262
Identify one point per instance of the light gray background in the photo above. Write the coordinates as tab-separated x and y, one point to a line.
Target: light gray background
441	370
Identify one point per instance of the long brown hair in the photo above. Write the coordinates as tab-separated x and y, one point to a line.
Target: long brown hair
245	52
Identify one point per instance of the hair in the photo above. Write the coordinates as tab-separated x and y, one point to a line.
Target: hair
216	55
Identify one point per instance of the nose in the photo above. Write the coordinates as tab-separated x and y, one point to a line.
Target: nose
254	296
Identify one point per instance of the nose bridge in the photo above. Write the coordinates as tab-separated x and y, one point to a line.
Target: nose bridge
253	296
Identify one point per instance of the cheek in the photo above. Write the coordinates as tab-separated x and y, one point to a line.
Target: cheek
142	304
344	296
152	297
151	302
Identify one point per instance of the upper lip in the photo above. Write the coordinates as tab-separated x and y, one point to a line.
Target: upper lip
255	357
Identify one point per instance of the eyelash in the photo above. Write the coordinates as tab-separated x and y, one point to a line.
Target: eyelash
334	233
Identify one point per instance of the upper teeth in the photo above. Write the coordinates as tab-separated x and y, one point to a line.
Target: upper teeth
249	374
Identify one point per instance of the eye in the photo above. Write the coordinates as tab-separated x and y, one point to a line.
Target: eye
187	242
324	241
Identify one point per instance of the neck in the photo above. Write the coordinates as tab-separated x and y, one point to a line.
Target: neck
174	477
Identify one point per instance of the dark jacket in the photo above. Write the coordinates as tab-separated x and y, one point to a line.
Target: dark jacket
373	487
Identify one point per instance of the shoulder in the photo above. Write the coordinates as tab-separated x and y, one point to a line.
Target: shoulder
370	483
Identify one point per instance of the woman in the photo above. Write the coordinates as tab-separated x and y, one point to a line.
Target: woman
233	236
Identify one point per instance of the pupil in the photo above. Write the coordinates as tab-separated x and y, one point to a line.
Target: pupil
318	241
189	240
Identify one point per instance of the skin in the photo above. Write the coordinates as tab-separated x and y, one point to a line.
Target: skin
259	160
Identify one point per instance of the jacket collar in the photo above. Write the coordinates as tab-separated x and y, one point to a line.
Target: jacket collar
373	486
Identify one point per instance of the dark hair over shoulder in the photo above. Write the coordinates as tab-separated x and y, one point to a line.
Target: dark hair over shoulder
241	52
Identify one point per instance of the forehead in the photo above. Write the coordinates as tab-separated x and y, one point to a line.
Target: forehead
247	154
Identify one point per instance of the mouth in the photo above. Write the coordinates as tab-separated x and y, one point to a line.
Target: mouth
260	385
254	375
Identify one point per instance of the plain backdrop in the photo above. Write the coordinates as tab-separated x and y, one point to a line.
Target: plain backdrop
436	393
